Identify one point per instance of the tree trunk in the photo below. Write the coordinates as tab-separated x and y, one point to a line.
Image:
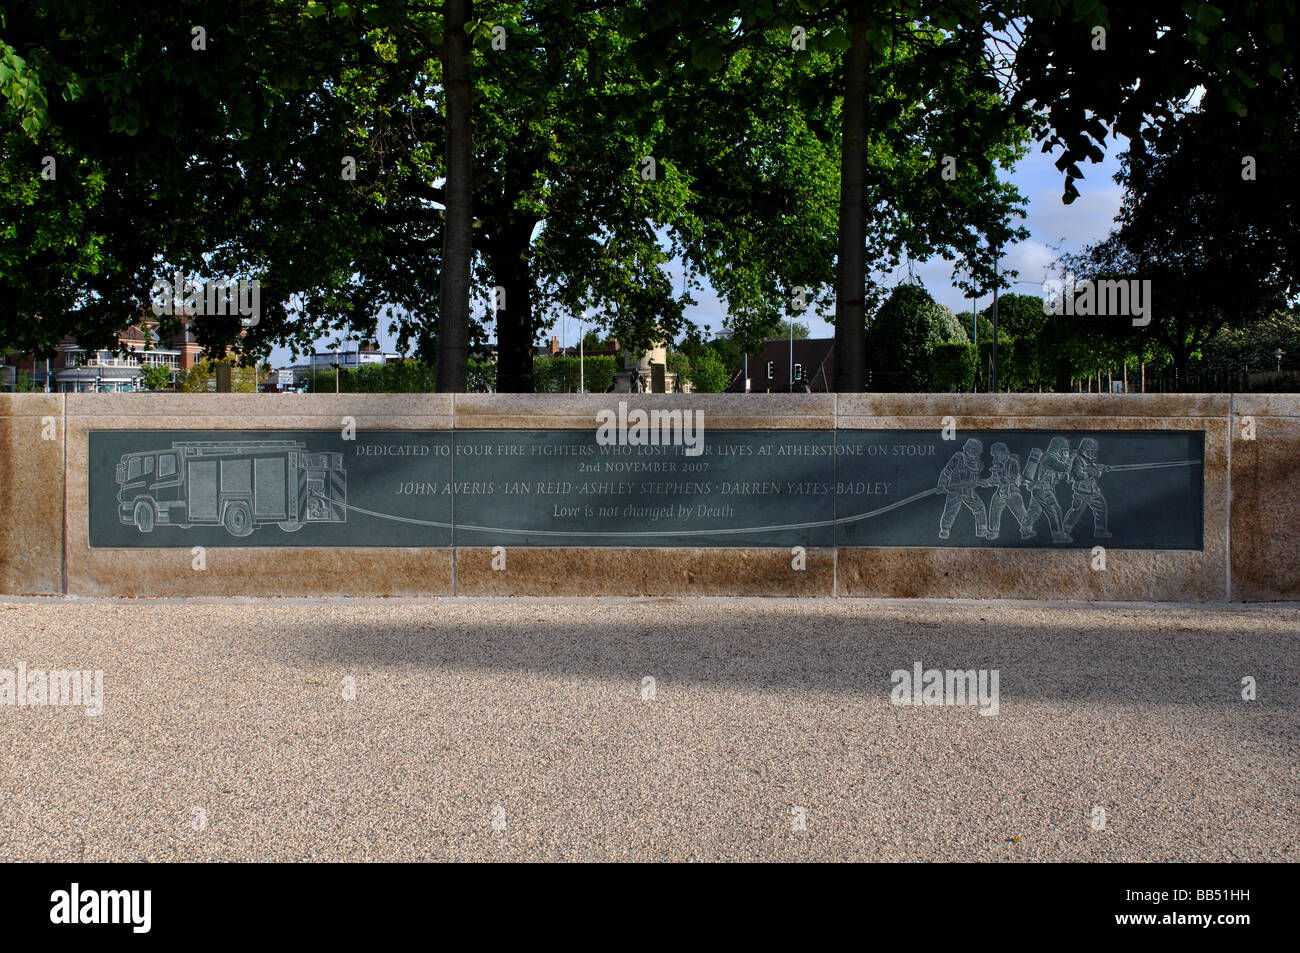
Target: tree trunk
457	251
509	259
851	268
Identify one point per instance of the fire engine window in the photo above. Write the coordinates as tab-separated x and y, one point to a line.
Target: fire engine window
166	465
148	464
133	468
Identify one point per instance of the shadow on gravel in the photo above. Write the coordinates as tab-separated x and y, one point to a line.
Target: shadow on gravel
1151	655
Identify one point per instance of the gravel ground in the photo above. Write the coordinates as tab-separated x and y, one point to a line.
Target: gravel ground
226	732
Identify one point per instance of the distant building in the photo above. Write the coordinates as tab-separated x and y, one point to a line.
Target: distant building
279	380
73	369
770	370
321	361
553	349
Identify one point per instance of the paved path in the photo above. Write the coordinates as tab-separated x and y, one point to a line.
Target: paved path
231	717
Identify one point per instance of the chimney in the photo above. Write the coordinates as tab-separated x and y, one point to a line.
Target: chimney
555	345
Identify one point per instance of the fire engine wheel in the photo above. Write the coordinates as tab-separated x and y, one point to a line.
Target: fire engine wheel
238	521
290	527
144	517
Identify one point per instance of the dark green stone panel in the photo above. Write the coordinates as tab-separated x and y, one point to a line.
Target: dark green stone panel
779	488
168	488
562	488
1143	488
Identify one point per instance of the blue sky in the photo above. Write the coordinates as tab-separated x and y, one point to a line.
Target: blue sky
1051	224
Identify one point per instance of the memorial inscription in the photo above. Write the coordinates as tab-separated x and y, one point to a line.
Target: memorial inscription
753	488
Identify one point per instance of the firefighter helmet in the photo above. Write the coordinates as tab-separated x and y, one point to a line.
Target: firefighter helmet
1058	445
972	448
999	449
1088	447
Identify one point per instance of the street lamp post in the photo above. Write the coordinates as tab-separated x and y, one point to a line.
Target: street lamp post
993	383
790	384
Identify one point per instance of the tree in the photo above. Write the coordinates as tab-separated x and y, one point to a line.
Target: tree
457	250
1019	315
680	365
103	172
953	366
156	377
231	152
1253	348
905	332
1095	71
913	88
796	329
1217	245
610	171
708	374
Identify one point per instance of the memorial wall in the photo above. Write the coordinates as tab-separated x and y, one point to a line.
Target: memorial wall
1095	497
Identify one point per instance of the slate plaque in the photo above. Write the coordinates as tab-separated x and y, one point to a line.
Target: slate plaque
779	488
184	488
1021	488
562	488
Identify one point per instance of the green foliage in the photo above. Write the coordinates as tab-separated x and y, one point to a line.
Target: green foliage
227	160
905	332
1025	364
202	377
1253	348
398	377
156	377
953	366
1019	315
559	373
710	375
1157	54
801	332
679	364
967	325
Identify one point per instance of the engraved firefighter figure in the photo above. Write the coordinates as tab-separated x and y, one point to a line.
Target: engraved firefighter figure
1004	474
1044	471
959	478
1084	471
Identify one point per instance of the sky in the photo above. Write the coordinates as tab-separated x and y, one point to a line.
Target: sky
1051	224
